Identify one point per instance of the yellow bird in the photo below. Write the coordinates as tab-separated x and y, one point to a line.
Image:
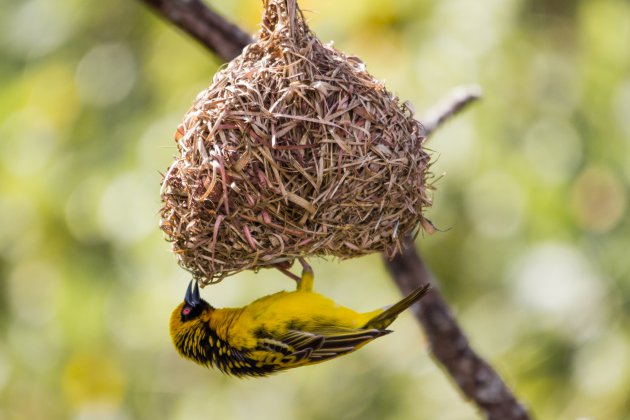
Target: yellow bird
276	332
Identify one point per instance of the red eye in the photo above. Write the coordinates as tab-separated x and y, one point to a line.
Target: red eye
186	311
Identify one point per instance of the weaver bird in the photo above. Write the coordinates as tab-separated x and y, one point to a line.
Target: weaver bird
276	332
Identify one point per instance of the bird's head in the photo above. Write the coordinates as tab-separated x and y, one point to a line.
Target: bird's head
187	320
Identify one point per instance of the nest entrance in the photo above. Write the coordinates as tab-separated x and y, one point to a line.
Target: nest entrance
293	150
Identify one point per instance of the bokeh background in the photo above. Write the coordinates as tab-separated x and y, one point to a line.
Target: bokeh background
534	254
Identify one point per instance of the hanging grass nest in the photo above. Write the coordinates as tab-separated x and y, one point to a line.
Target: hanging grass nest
293	150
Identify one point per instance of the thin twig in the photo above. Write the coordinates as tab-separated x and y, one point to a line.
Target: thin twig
473	375
451	105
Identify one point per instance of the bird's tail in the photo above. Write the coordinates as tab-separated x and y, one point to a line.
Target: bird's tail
382	320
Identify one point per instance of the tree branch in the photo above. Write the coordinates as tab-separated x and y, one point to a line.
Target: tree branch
473	375
218	35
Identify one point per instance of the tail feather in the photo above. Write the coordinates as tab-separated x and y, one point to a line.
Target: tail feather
382	320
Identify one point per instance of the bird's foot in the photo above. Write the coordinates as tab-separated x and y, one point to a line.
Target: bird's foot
306	282
284	269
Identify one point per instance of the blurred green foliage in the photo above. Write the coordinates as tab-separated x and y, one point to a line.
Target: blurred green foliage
534	204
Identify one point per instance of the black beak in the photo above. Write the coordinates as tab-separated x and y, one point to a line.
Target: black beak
192	297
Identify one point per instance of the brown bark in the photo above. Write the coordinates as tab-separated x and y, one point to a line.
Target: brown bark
221	37
474	376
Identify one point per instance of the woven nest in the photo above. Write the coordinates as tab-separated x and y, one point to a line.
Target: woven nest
293	150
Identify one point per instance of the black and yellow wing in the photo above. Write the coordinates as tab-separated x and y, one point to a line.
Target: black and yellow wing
299	348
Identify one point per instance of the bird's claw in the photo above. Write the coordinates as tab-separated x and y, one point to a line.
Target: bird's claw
305	266
306	281
283	268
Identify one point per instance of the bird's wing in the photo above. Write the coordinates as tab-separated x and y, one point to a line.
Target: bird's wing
303	347
340	340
